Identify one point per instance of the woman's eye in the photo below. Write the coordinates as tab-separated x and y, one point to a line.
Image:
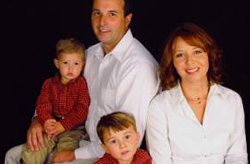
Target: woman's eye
197	52
178	55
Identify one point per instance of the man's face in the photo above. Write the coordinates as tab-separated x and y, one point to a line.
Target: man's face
108	22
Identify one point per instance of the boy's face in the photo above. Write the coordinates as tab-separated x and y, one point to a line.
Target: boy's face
70	66
121	145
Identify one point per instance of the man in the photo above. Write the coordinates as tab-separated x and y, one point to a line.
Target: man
121	75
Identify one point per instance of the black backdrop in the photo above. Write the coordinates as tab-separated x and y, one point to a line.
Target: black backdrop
30	30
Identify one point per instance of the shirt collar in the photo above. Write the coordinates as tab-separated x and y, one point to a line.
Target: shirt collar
119	49
178	95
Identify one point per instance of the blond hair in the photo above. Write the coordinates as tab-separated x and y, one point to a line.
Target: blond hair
69	45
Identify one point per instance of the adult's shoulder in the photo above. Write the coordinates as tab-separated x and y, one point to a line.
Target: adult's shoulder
92	49
226	92
229	96
165	96
141	54
162	101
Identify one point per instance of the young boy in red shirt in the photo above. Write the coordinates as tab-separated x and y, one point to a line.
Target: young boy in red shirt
63	103
118	134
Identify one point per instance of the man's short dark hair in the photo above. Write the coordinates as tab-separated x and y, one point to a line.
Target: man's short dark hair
128	7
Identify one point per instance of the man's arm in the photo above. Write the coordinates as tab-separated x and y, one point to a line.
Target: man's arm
135	92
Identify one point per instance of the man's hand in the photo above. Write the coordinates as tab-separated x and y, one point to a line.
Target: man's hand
35	135
63	156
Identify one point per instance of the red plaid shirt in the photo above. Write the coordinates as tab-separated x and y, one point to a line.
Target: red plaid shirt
140	157
69	101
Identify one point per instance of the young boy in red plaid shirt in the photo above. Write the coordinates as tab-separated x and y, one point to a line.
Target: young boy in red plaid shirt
118	134
63	103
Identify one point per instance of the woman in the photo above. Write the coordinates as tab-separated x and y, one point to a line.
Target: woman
195	119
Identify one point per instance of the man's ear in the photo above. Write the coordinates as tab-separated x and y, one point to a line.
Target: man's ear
128	19
105	149
56	62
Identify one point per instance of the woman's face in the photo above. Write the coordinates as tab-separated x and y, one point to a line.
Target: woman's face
190	62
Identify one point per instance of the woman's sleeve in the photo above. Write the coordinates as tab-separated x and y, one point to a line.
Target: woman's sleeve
157	134
237	151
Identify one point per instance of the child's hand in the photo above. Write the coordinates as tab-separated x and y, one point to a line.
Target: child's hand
58	128
49	127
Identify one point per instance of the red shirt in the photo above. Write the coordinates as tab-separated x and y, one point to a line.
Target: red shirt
70	101
140	157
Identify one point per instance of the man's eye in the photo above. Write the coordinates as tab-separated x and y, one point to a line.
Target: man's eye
112	14
96	13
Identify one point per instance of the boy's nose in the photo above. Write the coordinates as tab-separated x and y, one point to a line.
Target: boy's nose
122	144
70	68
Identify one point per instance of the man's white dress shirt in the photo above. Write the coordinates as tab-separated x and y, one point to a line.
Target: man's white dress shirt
175	136
123	80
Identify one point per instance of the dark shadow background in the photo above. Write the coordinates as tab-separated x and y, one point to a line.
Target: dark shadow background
30	29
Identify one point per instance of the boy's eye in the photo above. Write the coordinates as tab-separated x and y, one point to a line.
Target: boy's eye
113	141
76	64
128	137
64	62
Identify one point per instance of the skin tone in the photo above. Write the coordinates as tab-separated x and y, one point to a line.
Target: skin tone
70	66
192	63
35	136
109	25
121	145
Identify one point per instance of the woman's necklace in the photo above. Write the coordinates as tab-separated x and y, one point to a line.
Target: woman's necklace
199	100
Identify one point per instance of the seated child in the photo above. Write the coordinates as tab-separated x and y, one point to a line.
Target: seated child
62	104
118	134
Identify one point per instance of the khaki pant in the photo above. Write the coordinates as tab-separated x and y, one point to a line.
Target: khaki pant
13	156
67	141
